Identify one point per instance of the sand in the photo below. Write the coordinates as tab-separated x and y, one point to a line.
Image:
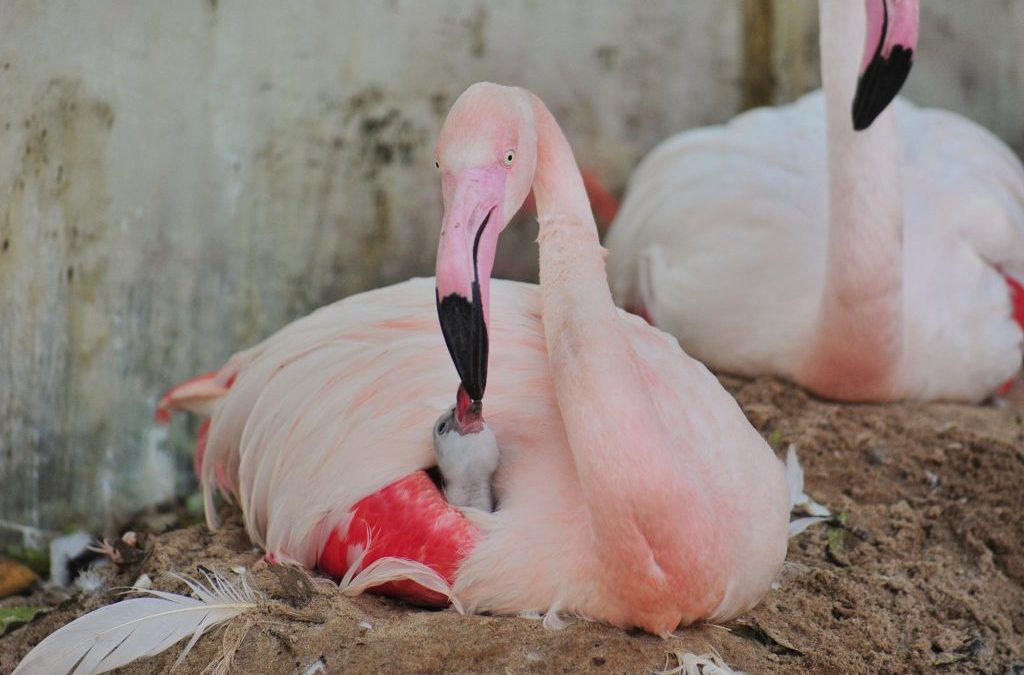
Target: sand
923	571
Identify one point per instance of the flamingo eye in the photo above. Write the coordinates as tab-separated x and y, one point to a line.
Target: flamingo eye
508	158
437	164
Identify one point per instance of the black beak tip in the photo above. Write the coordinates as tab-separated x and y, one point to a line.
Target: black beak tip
879	85
465	334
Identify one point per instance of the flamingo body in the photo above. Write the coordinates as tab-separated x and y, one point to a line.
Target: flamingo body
630	487
326	431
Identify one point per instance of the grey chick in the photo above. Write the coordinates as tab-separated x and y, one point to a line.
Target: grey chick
467	456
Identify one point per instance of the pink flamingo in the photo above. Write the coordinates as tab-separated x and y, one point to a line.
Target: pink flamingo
875	263
631	488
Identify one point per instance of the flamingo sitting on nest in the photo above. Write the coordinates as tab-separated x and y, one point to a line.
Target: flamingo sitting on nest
874	264
631	489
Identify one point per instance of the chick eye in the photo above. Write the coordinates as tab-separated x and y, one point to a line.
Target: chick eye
508	158
442	428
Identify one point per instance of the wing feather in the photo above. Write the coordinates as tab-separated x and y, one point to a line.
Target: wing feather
118	634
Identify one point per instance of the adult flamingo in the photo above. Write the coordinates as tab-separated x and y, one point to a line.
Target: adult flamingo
631	488
863	265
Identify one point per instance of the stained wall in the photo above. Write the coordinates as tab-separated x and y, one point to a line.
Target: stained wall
179	179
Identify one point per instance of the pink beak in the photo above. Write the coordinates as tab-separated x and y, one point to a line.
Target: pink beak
888	55
465	258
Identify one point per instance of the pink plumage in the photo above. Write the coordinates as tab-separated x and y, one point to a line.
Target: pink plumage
631	488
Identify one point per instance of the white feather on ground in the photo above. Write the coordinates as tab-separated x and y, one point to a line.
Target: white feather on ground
798	499
700	664
94	578
116	635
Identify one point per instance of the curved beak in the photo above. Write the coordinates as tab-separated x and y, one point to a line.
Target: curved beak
888	55
465	258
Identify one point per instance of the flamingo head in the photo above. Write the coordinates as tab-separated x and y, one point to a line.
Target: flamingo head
889	45
486	153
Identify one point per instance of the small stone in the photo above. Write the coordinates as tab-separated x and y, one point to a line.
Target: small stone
15	578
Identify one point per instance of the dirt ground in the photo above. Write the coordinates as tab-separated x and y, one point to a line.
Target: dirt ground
924	573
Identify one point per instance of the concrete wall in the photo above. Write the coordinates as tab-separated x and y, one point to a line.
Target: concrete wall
179	179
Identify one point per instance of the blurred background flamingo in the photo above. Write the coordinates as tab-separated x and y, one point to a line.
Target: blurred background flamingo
631	487
874	264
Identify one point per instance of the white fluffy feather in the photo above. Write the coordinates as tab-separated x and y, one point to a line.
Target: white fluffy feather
700	664
798	499
116	635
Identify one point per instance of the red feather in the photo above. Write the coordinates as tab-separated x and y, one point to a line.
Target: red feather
407	519
1017	301
1016	298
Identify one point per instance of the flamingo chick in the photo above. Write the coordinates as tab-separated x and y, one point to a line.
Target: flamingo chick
866	251
467	455
631	488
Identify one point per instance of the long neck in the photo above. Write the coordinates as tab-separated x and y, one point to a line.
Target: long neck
611	423
861	313
557	182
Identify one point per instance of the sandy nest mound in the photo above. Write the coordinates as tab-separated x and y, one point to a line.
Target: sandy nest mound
923	571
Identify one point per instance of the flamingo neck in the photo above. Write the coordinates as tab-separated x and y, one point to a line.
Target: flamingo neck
557	182
605	393
860	324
